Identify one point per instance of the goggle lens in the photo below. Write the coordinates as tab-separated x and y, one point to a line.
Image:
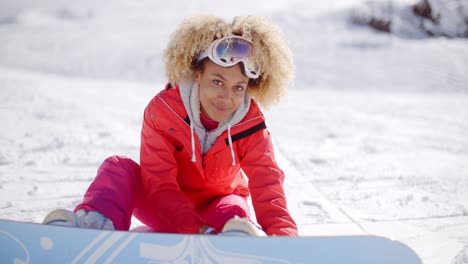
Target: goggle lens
231	50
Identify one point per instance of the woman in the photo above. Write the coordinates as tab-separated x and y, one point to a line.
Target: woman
204	143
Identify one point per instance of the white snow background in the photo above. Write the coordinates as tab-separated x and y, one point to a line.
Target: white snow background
373	136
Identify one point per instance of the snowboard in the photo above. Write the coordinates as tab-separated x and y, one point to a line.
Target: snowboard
36	243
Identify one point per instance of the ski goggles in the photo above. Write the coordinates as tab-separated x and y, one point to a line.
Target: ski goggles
229	51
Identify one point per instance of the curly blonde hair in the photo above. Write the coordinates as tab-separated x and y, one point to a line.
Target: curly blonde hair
270	52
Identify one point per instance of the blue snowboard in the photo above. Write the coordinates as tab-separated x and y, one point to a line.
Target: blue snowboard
35	243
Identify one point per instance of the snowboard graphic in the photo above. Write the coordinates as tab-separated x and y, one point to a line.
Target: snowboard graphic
35	243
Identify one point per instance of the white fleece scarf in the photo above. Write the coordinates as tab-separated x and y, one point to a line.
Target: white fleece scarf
190	93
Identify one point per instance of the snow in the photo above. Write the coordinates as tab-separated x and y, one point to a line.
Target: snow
451	17
446	17
375	140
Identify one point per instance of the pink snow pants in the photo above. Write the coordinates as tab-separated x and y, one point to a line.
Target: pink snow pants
117	193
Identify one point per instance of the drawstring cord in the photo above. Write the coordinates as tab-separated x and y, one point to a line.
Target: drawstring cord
230	145
194	157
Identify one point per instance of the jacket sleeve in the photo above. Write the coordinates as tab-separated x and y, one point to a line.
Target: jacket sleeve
266	186
159	179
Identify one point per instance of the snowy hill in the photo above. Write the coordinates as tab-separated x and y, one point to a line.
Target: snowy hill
373	136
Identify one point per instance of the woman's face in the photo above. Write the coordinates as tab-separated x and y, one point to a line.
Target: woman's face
222	90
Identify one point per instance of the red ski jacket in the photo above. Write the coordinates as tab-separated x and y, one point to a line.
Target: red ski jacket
176	187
